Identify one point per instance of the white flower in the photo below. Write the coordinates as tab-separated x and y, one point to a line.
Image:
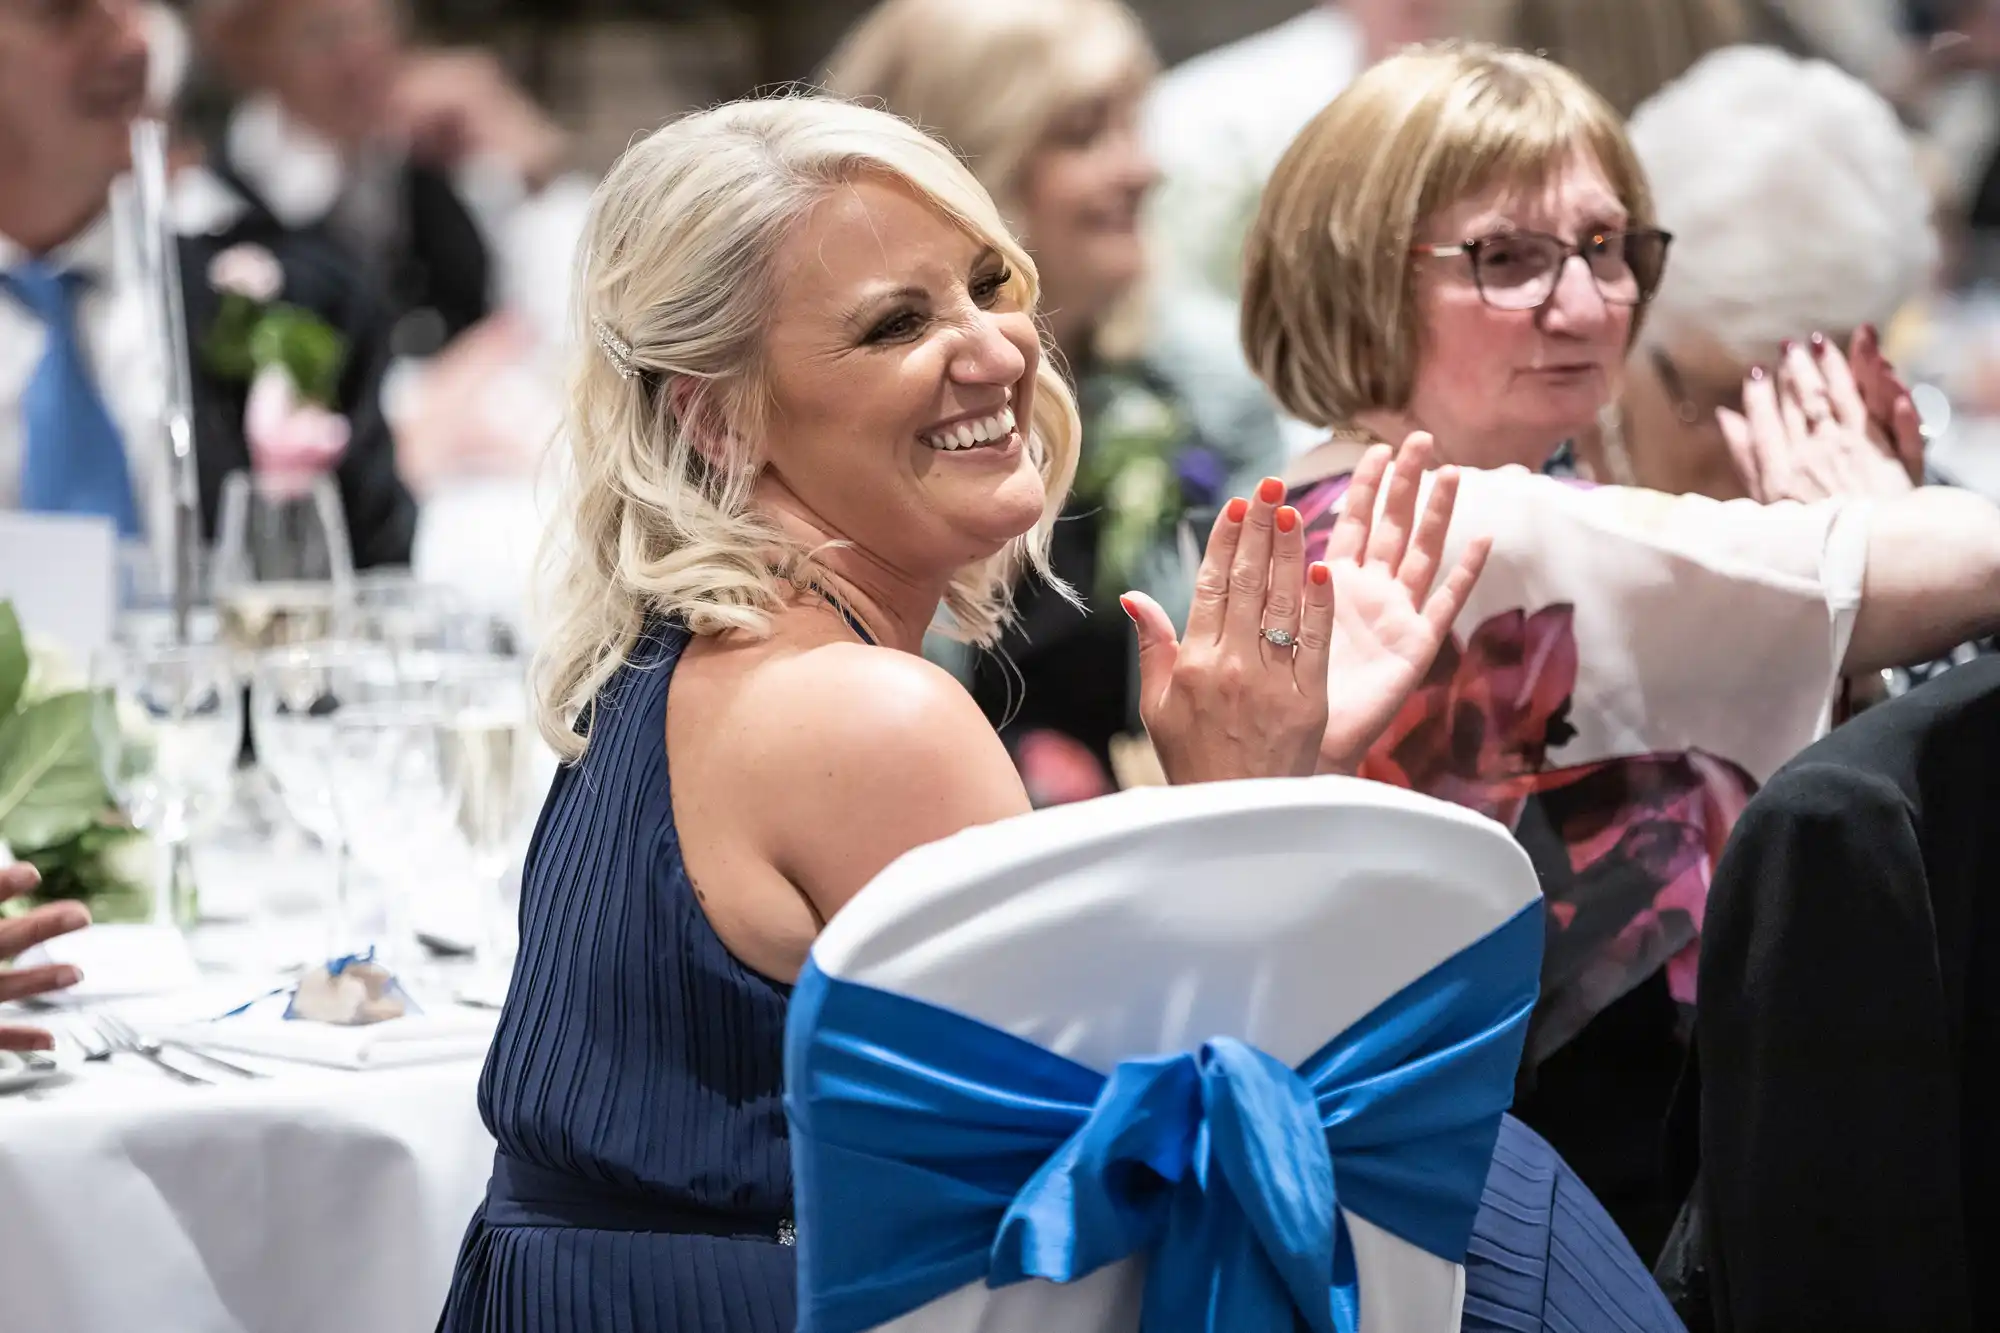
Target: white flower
133	861
51	671
249	271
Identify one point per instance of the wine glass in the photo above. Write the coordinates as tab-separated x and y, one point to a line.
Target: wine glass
333	725
281	569
169	741
487	751
282	561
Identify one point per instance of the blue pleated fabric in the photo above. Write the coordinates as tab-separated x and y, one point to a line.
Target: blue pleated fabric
634	1087
1545	1256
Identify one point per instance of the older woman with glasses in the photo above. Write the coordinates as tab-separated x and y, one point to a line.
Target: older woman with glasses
1464	244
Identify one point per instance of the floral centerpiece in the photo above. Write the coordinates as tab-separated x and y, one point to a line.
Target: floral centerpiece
56	811
291	359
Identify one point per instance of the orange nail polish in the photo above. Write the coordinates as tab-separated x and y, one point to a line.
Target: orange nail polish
1320	574
1288	518
1237	509
1271	491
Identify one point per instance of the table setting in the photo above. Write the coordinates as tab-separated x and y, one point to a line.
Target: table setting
295	808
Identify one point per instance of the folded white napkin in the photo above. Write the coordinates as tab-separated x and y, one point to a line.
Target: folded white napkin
262	1029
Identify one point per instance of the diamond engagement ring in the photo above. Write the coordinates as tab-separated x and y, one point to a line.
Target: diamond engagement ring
1281	638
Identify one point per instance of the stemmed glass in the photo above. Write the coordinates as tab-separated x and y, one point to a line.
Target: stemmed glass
169	740
282	560
487	751
336	727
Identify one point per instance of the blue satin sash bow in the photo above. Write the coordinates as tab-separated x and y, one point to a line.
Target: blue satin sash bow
930	1151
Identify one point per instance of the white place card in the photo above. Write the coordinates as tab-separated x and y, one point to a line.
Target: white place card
119	962
61	573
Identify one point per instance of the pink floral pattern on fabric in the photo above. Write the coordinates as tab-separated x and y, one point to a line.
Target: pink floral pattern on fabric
1642	832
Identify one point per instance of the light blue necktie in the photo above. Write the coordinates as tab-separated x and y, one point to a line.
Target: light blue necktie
74	459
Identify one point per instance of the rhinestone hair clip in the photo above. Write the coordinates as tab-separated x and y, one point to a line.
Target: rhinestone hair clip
616	348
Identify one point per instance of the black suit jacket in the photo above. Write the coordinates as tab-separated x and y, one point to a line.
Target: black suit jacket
441	274
381	516
1849	1022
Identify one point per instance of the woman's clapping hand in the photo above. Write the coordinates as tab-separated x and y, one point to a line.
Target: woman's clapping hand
1824	426
1245	692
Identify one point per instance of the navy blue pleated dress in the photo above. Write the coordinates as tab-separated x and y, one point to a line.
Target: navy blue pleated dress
642	1182
643	1177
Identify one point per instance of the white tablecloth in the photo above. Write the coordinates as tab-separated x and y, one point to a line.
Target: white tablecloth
317	1201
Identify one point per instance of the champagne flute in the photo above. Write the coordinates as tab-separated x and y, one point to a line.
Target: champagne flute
487	749
329	720
169	738
281	568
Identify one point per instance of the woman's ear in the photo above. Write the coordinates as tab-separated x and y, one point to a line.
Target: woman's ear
698	412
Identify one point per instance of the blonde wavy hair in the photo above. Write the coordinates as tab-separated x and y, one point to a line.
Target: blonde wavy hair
676	281
992	78
1626	51
1331	321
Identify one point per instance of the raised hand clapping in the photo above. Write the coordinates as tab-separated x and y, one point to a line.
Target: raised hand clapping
1285	670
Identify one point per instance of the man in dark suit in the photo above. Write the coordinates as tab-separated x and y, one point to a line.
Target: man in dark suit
1842	1110
75	436
411	160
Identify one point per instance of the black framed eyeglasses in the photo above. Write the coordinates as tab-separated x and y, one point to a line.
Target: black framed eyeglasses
1519	270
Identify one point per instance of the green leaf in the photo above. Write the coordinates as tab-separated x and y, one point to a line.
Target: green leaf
226	348
305	345
13	659
51	785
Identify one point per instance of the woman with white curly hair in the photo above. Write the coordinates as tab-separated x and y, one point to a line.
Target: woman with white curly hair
817	407
1801	223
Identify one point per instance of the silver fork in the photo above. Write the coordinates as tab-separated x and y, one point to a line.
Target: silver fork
121	1039
140	1044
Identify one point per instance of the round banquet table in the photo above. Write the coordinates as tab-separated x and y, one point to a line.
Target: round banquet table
319	1199
313	1201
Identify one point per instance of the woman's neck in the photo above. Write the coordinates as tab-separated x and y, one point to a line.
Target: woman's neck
894	608
895	612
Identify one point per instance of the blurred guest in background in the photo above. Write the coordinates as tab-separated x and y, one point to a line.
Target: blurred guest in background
449	185
79	385
1217	125
420	162
1802	225
1632	665
1936	61
316	143
1041	98
1801	221
1626	52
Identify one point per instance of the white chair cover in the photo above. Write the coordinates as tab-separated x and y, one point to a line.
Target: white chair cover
1276	912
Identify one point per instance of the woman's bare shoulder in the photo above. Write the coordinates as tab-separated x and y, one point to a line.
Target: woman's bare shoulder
859	754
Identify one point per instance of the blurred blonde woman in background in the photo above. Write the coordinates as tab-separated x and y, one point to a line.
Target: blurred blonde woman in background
1041	98
815	408
1626	52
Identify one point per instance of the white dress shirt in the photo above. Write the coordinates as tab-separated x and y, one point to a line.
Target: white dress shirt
1217	126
